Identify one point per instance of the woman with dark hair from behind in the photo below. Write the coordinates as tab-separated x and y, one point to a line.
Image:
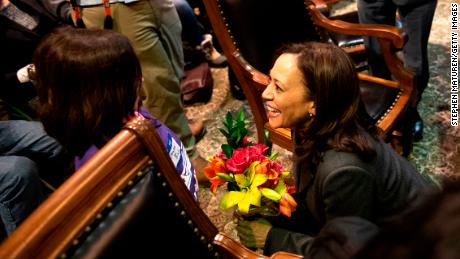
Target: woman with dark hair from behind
88	83
344	171
429	231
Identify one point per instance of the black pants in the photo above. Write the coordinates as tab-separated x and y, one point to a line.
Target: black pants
416	21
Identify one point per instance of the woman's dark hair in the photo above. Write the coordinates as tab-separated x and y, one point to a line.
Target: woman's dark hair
87	83
430	230
332	83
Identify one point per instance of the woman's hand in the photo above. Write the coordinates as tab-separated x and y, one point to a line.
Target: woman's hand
253	233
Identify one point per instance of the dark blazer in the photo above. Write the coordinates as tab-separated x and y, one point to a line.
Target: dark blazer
344	185
410	2
18	44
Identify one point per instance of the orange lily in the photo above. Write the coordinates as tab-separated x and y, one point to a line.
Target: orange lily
215	167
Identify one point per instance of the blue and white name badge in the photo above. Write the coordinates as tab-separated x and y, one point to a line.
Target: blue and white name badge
180	160
174	150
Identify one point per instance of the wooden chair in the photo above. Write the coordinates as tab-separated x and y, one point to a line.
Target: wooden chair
250	31
128	201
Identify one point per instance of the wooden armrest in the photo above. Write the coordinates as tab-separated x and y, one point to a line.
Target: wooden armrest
235	248
387	32
240	251
320	4
378	80
282	255
331	2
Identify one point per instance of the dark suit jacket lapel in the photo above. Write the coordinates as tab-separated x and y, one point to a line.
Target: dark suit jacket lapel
33	7
10	25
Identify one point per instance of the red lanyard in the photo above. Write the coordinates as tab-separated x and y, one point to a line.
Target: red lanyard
108	19
106	4
108	23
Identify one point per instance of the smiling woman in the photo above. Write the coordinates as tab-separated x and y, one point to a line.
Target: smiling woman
341	165
288	102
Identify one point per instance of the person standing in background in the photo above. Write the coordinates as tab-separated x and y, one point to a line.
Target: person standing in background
416	17
193	35
154	29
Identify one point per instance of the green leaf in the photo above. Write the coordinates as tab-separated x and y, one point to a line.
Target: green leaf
234	135
238	138
233	186
280	188
242	134
273	156
240	125
228	150
267	141
236	129
231	198
225	177
240	116
228	121
270	194
225	133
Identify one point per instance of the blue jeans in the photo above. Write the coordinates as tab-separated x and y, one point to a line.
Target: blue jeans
192	30
29	139
26	150
20	190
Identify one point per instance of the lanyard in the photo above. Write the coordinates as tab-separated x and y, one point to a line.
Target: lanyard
108	22
76	12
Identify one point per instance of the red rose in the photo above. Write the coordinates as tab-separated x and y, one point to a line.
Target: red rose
239	161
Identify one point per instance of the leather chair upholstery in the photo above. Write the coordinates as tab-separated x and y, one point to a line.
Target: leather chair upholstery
377	98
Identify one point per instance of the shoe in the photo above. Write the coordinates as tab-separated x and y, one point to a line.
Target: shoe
417	128
214	58
199	163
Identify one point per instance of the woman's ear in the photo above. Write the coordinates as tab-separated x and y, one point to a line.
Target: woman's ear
311	107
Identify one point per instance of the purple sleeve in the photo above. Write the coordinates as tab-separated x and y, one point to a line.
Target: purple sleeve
174	147
177	153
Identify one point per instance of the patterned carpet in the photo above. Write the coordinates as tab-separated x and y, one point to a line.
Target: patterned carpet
436	155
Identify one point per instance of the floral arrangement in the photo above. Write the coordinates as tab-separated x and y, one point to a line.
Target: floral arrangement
255	181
